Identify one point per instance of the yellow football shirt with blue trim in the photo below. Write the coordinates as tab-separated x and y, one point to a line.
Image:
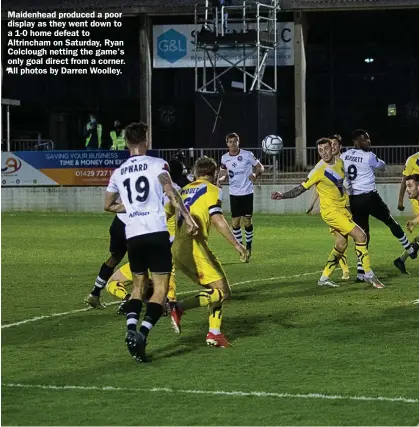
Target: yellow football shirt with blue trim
412	168
412	165
203	200
328	179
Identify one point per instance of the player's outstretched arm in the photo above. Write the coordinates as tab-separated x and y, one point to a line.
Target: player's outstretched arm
400	204
112	204
176	200
223	228
292	194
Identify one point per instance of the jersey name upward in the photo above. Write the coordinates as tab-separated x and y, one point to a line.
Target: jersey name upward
139	187
359	170
239	169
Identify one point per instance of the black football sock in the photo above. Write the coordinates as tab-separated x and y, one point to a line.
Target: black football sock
133	310
151	317
249	236
105	274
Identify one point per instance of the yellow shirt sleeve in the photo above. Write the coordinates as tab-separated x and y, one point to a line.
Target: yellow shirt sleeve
214	198
312	179
169	209
408	168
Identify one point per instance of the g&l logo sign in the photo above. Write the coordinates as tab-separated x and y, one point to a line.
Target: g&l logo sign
171	46
12	165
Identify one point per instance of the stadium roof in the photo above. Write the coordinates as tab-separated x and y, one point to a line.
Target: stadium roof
187	6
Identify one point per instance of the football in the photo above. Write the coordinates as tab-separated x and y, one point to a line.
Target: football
272	144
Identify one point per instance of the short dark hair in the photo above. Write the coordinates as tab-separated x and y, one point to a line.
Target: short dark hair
205	166
232	135
357	133
136	133
415	177
337	137
322	141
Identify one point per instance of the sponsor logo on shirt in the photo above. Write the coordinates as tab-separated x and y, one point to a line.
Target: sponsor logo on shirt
136	213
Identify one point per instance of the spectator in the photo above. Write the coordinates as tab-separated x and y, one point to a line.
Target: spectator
118	136
93	134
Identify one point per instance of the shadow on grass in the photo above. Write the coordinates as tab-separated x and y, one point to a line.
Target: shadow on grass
384	322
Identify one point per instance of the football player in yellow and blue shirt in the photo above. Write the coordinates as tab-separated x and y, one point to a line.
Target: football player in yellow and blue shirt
336	151
192	255
411	169
328	176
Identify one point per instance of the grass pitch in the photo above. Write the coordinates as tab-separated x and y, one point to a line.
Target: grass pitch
301	355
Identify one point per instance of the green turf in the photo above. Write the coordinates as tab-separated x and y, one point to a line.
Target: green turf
288	335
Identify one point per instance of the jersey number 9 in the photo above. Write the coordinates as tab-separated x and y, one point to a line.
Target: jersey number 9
142	189
352	172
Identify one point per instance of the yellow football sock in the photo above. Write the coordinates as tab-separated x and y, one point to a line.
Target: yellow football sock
363	256
343	262
171	295
215	318
332	262
203	299
118	288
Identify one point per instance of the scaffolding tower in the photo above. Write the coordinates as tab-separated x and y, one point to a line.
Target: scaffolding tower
239	37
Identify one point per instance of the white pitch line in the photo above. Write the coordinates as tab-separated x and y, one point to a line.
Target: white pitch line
217	393
65	313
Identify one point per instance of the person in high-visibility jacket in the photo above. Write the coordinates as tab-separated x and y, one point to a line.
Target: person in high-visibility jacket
93	134
118	137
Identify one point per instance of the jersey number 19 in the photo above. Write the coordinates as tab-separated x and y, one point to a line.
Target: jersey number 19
142	189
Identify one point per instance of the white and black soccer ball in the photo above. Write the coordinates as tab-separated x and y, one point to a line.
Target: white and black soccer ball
272	144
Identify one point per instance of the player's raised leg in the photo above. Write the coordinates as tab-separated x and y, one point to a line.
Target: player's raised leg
341	243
